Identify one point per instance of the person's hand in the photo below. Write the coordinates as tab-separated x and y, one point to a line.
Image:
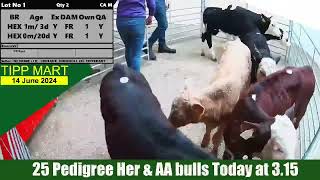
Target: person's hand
149	20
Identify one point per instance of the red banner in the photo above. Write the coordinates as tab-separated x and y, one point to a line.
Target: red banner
12	143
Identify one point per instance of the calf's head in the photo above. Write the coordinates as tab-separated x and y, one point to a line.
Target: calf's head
271	28
283	141
283	138
266	67
186	109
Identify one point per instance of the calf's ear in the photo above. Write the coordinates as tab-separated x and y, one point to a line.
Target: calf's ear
278	59
197	110
275	146
250	125
264	18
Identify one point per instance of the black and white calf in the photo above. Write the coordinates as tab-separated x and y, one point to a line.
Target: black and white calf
236	21
262	62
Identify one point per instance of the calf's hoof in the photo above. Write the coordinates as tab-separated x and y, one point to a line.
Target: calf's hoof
214	59
227	156
214	151
202	54
204	143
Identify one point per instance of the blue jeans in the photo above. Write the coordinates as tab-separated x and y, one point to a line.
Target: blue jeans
161	17
132	31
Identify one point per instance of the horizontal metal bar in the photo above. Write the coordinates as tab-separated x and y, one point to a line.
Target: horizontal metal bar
181	37
118	42
116	50
197	13
119	57
272	45
180	32
184	20
183	25
176	26
97	65
98	73
173	10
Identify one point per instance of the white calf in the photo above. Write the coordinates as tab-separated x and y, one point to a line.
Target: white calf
283	141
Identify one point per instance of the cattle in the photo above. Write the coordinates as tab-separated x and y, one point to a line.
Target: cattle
262	62
283	141
135	126
219	98
237	22
264	100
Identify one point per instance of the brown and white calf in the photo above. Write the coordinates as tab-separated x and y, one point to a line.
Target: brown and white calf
264	100
219	97
283	141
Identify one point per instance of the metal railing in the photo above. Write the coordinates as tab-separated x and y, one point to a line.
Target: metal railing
118	51
303	51
183	23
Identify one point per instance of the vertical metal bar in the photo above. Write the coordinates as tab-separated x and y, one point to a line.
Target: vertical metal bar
290	40
299	33
201	16
170	15
314	52
317	114
300	140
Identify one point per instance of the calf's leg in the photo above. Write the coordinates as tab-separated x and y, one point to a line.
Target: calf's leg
217	138
206	136
203	39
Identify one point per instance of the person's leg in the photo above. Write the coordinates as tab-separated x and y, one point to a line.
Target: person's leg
162	20
154	36
136	42
122	26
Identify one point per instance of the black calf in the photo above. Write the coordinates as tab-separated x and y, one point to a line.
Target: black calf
237	22
135	126
257	43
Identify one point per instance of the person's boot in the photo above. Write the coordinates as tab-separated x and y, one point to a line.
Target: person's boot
152	56
165	49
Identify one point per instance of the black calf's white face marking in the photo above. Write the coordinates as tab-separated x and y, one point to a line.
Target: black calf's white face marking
271	27
289	71
124	80
274	30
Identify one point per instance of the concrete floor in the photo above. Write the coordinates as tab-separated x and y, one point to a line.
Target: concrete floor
75	128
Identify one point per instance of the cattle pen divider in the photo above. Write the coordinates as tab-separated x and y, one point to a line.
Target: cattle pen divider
303	52
185	23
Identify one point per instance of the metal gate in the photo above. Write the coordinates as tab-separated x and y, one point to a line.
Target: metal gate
304	51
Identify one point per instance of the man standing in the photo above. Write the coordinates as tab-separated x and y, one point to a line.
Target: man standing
160	32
